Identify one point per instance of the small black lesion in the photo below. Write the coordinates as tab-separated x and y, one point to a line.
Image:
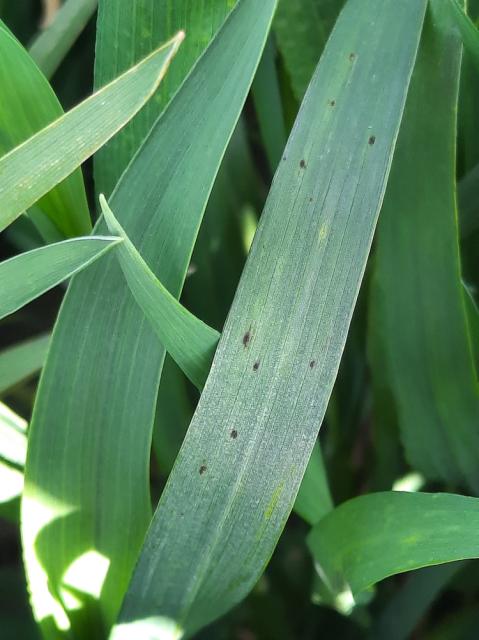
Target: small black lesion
332	103
352	56
256	365
202	469
302	164
372	140
246	338
312	364
233	434
311	199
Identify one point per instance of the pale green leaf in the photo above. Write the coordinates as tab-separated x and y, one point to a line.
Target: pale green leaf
29	104
378	535
103	447
53	43
22	360
240	466
32	169
26	276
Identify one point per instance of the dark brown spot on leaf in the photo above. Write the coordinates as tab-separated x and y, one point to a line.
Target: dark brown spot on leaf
202	469
352	56
234	434
302	164
312	364
256	366
332	103
372	140
246	338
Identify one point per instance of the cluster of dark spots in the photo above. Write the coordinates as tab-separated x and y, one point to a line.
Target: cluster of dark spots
256	366
332	103
312	364
352	56
372	140
202	469
233	434
246	338
302	164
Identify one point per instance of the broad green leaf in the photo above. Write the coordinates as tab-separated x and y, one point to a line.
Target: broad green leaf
20	361
102	447
33	168
188	340
51	46
26	276
29	104
239	469
302	28
192	344
419	289
127	30
378	535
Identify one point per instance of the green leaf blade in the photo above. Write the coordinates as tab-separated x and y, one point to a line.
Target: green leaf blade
378	535
26	276
34	168
228	497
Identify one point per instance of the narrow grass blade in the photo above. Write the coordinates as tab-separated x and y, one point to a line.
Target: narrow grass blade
22	361
309	23
268	107
188	340
314	497
378	535
51	46
32	169
404	612
29	104
468	31
28	275
239	469
101	454
127	30
468	196
419	287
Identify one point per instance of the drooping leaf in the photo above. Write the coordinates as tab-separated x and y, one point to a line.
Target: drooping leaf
26	276
419	288
239	469
19	362
378	535
128	30
102	451
29	104
33	168
51	46
188	340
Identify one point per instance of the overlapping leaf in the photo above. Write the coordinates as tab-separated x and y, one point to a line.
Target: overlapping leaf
33	168
29	104
239	469
418	269
107	415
